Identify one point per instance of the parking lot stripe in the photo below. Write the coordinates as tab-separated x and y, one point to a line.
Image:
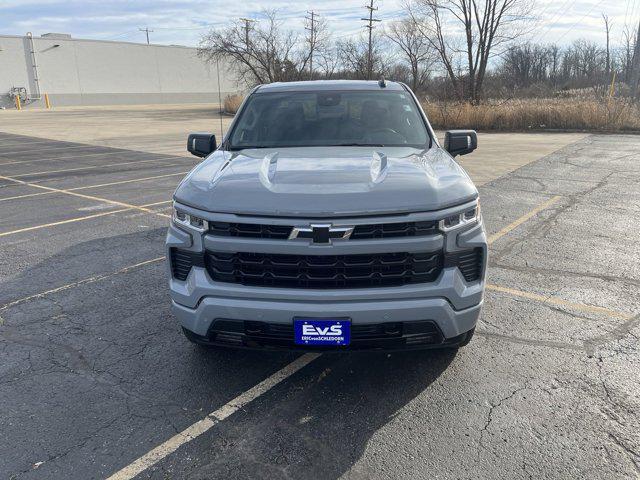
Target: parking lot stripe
143	208
48	149
215	417
559	302
95	186
50	159
93	167
84	281
501	233
121	151
81	195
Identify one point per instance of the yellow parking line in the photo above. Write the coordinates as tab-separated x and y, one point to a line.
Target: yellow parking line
501	233
16	197
81	195
89	217
559	302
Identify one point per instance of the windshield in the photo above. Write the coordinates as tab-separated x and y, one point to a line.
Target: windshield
328	118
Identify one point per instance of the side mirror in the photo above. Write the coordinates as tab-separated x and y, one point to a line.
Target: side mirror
201	144
460	142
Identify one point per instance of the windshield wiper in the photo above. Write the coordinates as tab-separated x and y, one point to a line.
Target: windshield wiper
242	147
357	145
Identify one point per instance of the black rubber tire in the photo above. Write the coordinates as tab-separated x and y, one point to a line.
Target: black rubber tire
467	338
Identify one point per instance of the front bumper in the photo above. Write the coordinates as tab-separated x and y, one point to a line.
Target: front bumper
450	303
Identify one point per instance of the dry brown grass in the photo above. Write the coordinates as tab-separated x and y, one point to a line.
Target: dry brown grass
538	114
232	103
580	113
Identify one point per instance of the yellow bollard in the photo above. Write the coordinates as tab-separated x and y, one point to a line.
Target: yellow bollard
46	101
18	105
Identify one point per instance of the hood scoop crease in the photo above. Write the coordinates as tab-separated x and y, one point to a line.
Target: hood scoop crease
268	168
379	167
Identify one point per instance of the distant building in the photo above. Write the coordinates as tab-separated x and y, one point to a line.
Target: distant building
96	72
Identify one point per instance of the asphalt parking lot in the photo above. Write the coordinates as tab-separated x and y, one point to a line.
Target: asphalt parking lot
97	381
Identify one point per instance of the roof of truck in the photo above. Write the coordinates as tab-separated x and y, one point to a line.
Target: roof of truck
319	85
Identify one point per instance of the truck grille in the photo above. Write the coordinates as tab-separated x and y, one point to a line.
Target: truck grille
320	271
250	230
394	230
360	232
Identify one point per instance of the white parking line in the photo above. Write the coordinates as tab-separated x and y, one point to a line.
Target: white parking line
47	149
120	151
93	167
194	431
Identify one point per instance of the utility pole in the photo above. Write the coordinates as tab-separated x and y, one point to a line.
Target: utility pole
247	27
147	31
607	27
311	26
370	26
635	67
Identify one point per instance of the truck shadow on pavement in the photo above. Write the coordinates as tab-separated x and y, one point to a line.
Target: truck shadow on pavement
320	424
119	373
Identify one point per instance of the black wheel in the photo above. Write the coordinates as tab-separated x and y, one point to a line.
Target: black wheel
467	338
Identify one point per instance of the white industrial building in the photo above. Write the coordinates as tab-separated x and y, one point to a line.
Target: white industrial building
96	72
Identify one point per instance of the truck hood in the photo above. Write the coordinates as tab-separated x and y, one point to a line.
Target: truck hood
326	181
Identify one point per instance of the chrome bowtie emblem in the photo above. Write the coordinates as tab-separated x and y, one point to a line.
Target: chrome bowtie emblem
321	233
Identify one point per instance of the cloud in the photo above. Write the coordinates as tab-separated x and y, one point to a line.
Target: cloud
185	21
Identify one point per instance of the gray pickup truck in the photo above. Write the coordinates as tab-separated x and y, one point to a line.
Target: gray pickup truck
328	218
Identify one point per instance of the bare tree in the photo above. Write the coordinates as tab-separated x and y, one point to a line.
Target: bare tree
263	53
626	54
354	57
415	48
635	67
485	27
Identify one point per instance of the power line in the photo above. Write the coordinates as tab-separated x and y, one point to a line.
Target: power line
370	26
566	7
147	31
580	20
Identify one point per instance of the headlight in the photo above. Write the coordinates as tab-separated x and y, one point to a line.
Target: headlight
191	222
462	219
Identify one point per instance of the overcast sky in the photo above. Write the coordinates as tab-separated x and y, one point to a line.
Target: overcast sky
185	21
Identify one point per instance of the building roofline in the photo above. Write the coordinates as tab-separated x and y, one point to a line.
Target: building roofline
95	40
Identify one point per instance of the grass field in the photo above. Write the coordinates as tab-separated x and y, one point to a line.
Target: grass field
614	115
580	113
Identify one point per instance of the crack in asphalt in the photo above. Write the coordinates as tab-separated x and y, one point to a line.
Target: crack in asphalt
631	454
489	419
